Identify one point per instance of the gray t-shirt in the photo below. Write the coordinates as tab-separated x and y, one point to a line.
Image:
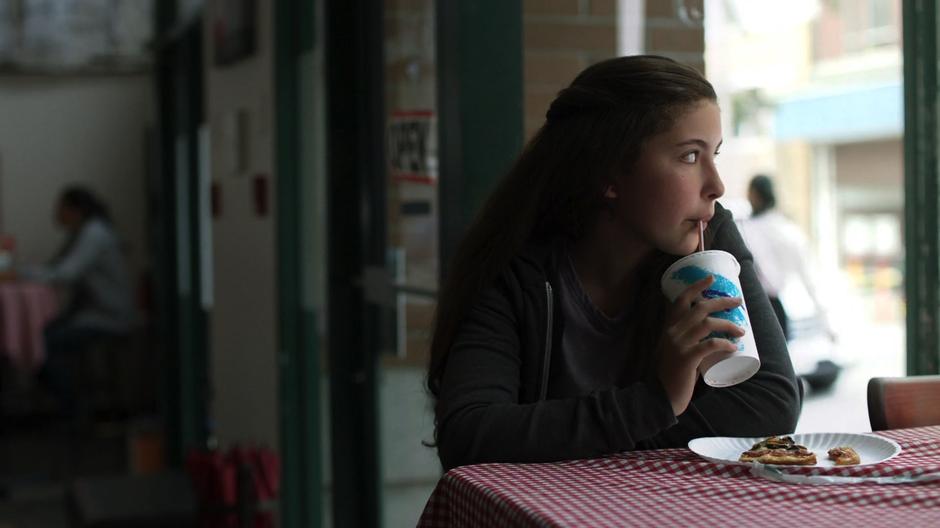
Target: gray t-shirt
95	271
595	351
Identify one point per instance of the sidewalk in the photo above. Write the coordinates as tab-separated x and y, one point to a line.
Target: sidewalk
877	351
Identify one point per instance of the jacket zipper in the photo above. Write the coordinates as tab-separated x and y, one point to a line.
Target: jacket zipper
546	363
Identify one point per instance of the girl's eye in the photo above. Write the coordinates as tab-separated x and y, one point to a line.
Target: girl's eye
689	157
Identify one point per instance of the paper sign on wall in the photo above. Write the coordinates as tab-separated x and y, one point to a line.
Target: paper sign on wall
412	146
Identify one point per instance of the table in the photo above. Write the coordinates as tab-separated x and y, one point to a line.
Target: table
25	308
674	487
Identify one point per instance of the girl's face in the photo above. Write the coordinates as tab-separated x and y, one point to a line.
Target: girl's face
68	217
674	183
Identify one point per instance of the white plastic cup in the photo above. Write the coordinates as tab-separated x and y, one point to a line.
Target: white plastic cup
745	362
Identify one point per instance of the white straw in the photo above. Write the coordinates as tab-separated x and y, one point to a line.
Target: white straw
701	235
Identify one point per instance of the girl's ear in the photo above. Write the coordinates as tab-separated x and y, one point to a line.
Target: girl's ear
610	192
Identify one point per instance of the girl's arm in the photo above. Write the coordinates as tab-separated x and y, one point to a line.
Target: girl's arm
91	242
768	403
481	420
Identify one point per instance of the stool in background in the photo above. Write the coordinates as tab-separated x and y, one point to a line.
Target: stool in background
159	500
100	370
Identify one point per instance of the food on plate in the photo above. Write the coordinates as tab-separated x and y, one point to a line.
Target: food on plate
844	456
779	450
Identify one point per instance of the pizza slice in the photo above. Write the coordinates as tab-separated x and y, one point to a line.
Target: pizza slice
796	455
779	450
844	456
774	442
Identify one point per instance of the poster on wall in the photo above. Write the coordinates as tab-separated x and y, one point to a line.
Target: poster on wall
53	36
233	30
412	146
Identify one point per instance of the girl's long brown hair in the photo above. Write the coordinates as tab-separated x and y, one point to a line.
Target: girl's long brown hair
594	130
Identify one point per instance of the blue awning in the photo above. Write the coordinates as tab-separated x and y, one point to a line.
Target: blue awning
842	114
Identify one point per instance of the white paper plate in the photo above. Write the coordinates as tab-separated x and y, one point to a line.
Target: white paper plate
871	449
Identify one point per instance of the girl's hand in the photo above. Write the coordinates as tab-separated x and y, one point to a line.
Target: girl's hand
683	345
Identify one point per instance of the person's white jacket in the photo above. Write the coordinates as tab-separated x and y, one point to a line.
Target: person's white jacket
95	274
780	253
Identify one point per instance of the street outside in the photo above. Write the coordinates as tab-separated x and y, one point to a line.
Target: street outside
872	351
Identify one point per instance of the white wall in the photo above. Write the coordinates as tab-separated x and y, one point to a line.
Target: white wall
243	322
59	130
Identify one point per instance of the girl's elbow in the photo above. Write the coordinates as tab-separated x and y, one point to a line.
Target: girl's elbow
786	417
789	420
779	412
449	457
453	449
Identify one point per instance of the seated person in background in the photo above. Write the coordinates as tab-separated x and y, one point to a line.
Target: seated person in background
91	269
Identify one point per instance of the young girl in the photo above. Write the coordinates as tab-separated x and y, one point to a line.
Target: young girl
553	340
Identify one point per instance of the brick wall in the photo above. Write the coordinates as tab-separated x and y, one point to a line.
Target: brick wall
676	33
410	84
562	37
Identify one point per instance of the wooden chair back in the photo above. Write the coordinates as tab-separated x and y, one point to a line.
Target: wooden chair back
897	403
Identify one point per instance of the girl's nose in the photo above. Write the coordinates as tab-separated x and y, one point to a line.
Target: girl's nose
714	188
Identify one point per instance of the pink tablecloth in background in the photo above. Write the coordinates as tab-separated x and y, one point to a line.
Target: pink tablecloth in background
25	308
674	487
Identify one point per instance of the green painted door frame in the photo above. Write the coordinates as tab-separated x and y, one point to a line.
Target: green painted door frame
299	364
174	194
192	316
479	69
921	137
479	65
356	167
163	228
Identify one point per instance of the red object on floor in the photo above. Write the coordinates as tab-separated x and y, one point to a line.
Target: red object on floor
215	199
259	188
243	481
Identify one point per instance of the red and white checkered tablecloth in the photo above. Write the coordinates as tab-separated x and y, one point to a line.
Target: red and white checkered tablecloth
674	487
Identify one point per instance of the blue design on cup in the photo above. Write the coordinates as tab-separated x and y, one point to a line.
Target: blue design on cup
722	287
